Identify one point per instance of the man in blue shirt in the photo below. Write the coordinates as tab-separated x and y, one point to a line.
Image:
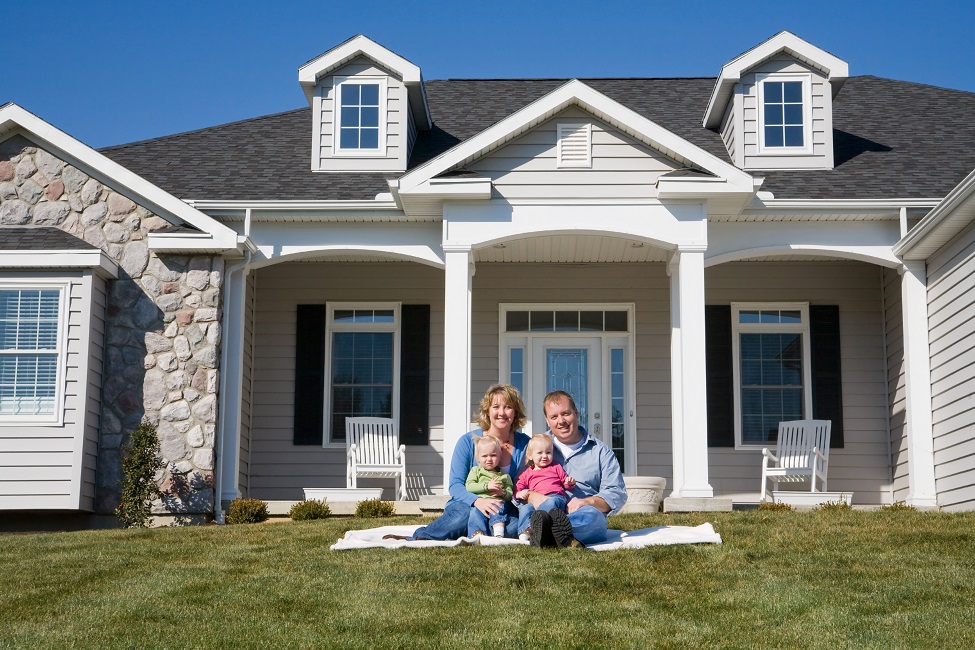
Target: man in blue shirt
599	489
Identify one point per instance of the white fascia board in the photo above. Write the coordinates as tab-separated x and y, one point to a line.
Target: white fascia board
949	217
763	205
55	259
835	69
575	93
452	188
87	159
184	242
282	206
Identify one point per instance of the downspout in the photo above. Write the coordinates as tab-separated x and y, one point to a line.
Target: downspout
218	514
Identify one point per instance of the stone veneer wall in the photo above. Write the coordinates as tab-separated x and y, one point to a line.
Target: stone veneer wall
162	330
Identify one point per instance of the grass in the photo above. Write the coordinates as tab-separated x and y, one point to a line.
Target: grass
827	579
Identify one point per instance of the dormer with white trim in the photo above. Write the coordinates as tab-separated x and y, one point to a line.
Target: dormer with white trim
367	105
773	105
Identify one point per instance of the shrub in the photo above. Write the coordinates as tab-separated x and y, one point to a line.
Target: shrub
140	462
373	508
898	506
247	511
834	506
311	509
774	507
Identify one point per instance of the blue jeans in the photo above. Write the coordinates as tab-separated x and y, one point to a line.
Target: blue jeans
452	524
477	521
588	523
554	502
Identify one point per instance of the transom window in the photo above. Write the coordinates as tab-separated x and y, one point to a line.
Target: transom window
29	351
566	321
772	372
359	117
363	374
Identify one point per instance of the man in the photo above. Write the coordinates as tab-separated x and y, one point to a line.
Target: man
599	489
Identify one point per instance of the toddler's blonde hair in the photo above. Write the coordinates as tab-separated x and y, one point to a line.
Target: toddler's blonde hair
537	439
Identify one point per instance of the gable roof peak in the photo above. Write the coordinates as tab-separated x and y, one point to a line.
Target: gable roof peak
835	69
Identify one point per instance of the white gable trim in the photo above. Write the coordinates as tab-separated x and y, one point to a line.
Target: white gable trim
576	93
60	259
167	206
311	72
946	220
835	69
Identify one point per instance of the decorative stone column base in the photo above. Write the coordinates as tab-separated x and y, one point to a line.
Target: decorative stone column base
644	493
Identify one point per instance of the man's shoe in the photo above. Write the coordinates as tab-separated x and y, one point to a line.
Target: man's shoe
562	530
541	530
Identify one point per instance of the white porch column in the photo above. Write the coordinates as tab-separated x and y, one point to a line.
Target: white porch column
688	373
459	271
917	386
231	384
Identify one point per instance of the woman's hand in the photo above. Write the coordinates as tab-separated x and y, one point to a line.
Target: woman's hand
488	506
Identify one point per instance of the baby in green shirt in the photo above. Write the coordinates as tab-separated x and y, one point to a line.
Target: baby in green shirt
486	478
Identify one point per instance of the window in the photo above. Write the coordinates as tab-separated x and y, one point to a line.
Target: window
363	364
784	116
772	370
30	344
360	116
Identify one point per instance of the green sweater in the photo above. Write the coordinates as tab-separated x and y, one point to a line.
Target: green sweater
478	479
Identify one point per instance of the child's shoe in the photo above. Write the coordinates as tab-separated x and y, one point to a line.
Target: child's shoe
525	536
498	530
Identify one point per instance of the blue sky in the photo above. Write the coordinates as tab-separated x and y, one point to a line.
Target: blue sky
110	72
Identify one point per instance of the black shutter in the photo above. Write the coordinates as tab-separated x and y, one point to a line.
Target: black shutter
309	375
720	377
827	389
414	389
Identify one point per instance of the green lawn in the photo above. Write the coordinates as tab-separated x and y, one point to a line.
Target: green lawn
780	580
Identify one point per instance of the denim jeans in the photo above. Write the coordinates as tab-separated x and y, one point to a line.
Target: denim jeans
477	521
452	524
554	502
588	523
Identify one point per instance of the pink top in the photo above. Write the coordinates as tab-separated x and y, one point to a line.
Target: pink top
544	480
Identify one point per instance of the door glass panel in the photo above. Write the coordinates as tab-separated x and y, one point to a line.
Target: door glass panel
516	363
568	369
618	402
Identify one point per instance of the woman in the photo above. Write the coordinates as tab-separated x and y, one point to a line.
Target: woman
501	414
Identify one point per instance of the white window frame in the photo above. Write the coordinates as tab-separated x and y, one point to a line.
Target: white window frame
337	149
561	129
60	352
332	327
806	80
738	328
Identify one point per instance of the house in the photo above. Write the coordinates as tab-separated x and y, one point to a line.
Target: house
695	259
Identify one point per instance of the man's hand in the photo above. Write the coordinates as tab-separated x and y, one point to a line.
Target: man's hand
596	502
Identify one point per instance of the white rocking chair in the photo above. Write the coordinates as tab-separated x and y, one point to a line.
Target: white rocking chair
801	453
373	451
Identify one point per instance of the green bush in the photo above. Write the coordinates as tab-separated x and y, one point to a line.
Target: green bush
247	511
898	506
311	509
775	507
140	462
373	508
834	506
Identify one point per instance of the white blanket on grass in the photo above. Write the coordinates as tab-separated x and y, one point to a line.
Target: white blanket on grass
616	539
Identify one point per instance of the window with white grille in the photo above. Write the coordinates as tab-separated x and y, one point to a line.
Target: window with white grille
30	346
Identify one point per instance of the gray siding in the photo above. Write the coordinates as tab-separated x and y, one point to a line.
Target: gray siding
527	166
951	314
52	466
861	466
728	130
822	119
397	111
246	386
278	468
894	333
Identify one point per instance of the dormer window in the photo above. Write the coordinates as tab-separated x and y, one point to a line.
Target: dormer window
361	118
784	113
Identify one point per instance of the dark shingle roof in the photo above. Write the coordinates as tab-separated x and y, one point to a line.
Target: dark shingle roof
892	139
41	238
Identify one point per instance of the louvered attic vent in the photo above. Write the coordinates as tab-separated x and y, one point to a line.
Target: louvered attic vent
575	144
